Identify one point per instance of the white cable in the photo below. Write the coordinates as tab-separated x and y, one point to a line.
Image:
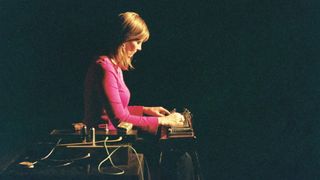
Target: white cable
105	146
109	158
114	166
140	165
74	159
43	158
90	143
31	164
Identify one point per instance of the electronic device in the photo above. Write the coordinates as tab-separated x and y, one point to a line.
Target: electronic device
124	127
184	131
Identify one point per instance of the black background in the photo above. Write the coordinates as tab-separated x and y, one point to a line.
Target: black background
247	70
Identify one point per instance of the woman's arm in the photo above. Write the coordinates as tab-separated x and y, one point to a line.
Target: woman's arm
151	111
155	111
116	111
136	110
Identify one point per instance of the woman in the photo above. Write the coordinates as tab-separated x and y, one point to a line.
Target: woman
106	94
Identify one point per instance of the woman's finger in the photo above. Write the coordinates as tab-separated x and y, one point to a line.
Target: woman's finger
163	110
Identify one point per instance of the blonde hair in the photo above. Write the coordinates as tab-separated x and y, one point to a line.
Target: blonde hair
132	27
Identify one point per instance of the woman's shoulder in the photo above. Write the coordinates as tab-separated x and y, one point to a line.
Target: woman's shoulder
105	63
103	60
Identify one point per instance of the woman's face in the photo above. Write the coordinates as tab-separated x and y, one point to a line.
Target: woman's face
131	47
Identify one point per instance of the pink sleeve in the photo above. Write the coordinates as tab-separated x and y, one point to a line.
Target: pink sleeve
117	112
136	110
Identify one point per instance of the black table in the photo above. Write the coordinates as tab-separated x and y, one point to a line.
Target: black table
75	162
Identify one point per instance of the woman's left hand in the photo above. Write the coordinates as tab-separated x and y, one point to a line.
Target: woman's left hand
155	111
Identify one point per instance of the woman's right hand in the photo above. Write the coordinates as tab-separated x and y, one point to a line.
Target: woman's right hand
172	120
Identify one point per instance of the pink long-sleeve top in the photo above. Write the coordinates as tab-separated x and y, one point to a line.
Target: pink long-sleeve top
107	97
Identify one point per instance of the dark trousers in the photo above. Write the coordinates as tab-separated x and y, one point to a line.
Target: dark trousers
165	164
176	165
